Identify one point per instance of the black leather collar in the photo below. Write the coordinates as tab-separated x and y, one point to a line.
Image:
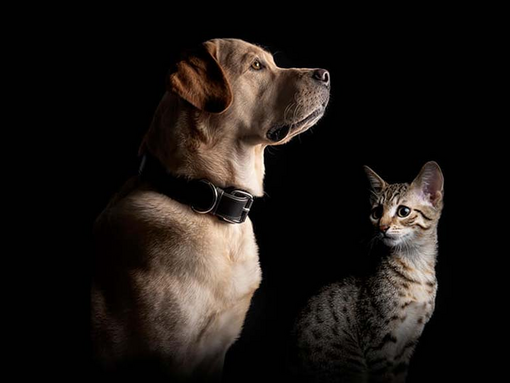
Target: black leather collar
230	204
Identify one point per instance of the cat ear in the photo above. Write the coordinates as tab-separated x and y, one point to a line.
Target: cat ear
429	183
376	182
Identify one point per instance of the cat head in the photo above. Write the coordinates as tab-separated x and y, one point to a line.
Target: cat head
402	213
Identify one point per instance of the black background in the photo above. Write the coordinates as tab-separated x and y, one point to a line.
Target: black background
395	93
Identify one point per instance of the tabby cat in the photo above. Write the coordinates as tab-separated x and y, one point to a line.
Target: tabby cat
365	329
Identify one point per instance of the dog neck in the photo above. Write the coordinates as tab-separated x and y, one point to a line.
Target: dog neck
190	144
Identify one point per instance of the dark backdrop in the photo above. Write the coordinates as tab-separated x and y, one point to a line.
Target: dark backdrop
394	93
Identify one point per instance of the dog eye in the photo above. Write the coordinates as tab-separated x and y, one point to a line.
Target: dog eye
257	65
403	211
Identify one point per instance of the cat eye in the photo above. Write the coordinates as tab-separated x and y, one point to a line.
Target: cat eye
403	211
257	65
377	212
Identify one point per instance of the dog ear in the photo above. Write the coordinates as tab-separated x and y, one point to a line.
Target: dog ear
199	79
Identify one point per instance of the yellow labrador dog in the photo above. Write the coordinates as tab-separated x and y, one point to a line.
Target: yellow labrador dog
176	262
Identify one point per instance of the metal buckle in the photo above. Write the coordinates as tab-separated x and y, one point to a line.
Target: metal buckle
246	208
215	199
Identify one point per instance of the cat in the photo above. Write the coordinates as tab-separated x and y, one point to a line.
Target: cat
365	329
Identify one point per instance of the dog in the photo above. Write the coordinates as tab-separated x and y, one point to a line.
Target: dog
176	261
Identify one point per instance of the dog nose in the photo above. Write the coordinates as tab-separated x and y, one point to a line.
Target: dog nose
322	75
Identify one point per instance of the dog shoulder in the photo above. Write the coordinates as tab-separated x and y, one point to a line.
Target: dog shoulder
149	226
140	211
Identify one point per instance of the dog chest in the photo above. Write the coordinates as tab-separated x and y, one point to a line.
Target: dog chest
242	272
234	278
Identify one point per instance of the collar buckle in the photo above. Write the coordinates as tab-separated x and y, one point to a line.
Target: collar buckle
246	208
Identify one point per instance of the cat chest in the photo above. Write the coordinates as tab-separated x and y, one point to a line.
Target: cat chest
414	309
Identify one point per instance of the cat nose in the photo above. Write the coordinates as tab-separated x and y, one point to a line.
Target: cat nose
384	228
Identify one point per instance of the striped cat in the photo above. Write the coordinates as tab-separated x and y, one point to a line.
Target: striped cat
365	329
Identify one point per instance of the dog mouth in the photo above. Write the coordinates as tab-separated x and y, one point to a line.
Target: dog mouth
279	132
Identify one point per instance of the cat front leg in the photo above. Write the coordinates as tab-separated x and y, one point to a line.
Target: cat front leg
400	373
401	360
390	363
381	370
380	358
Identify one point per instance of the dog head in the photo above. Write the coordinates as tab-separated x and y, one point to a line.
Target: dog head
237	88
